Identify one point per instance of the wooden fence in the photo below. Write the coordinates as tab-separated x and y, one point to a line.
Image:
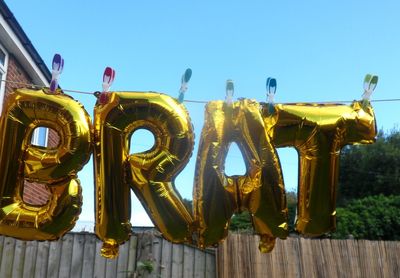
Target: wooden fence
78	255
238	256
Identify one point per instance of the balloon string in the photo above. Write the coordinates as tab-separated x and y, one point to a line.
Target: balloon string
187	100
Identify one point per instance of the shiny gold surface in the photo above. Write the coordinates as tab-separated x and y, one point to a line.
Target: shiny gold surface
319	132
25	110
150	174
261	191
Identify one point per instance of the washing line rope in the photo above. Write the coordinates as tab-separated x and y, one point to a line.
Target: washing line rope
186	100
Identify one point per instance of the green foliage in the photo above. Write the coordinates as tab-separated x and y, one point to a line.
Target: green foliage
242	221
147	266
373	217
368	170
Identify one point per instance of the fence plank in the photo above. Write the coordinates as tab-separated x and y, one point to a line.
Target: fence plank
144	254
30	258
1	246
53	267
132	255
89	254
42	259
392	251
320	264
111	268
177	260
99	262
122	264
157	253
66	255
258	266
210	265
166	259
199	264
188	261
77	255
370	258
7	257
352	249
19	257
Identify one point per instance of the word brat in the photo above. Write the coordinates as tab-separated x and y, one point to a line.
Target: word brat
316	131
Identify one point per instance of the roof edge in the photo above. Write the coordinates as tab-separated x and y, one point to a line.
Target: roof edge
21	35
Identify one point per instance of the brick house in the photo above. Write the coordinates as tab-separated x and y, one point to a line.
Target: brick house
21	64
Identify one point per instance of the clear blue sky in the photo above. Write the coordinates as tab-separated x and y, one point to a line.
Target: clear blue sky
317	50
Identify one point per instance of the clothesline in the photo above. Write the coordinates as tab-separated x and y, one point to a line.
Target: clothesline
186	100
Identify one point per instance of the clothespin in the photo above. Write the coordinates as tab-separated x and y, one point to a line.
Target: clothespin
184	84
229	92
271	90
370	82
108	79
57	68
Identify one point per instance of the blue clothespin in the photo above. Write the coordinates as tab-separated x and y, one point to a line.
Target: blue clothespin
184	84
370	82
271	90
57	68
230	89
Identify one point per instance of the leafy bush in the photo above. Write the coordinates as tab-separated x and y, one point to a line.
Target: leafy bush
373	217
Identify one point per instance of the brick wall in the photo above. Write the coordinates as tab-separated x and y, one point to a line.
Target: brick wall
15	73
34	193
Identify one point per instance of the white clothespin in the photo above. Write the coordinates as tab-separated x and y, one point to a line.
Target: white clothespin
184	84
108	79
271	90
229	91
370	82
57	68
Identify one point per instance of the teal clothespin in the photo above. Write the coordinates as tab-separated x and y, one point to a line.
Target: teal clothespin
271	90
184	81
229	92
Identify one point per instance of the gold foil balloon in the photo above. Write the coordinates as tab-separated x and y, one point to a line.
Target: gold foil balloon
318	132
150	174
261	191
57	168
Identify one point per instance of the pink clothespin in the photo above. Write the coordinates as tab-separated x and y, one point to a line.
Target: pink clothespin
57	68
108	79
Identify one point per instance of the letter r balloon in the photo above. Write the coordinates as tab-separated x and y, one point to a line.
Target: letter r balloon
150	174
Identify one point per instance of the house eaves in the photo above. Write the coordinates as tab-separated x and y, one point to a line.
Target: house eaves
23	40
